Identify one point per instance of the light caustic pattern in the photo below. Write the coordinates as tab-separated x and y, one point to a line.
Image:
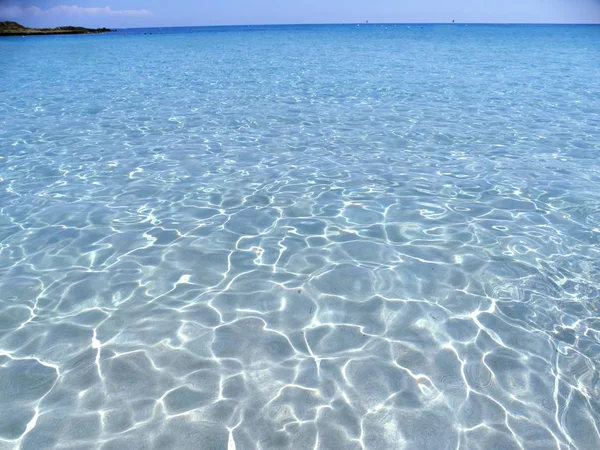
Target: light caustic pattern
307	238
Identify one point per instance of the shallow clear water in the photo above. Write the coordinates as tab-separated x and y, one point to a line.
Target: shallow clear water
301	237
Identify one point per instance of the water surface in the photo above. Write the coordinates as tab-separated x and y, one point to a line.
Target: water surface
310	237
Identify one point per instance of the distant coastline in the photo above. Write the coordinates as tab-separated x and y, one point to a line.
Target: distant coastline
15	29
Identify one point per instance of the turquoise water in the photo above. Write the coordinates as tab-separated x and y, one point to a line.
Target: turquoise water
314	237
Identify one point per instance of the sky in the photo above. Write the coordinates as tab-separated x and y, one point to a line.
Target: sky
150	13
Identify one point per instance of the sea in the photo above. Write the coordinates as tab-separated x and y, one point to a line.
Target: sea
363	236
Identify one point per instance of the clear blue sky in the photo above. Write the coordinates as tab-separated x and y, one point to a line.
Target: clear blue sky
140	13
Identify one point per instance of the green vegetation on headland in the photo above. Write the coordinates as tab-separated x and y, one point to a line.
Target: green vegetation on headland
15	29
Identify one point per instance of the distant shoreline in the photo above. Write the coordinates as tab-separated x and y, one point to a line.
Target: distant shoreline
15	29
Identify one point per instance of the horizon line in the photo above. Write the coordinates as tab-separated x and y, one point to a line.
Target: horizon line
360	23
